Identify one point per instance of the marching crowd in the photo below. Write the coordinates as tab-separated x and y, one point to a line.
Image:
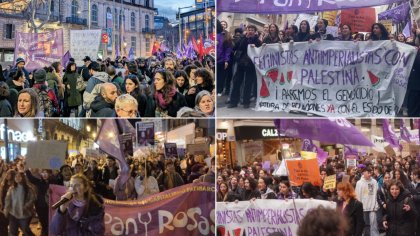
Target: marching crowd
25	192
379	195
104	88
236	69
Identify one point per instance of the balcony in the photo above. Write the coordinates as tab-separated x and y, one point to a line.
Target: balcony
148	30
76	21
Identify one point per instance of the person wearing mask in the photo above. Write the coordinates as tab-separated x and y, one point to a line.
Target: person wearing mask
366	191
6	109
27	105
168	100
400	215
379	32
73	98
103	105
145	184
245	72
265	191
83	214
19	203
351	208
126	106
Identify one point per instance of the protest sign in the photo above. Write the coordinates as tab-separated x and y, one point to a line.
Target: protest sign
359	19
351	162
185	210
291	6
145	132
387	24
312	19
333	30
308	155
333	78
330	16
126	144
47	154
390	151
330	182
262	217
301	171
198	149
379	143
84	43
39	49
170	150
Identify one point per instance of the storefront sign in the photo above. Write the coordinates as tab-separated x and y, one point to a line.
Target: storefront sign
16	136
255	132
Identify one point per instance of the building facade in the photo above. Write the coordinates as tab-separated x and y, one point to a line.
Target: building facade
131	21
198	21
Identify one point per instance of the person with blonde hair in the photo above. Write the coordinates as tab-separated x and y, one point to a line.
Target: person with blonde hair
351	208
83	214
126	106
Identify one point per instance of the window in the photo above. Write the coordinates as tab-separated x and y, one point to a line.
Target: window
133	44
146	22
116	19
95	14
52	6
147	3
108	11
133	21
147	45
74	8
9	31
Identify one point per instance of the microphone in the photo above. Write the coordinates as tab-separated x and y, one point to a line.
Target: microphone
62	201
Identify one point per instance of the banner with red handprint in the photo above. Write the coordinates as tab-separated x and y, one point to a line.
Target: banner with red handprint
333	78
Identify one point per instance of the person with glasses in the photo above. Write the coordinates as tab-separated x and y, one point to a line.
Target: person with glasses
168	100
126	106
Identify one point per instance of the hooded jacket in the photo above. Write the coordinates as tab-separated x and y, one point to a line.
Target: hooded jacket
366	191
268	194
92	88
101	108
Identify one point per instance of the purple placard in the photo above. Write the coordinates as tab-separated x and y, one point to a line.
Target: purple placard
292	6
39	49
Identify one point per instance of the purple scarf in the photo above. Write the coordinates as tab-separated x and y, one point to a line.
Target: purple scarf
161	100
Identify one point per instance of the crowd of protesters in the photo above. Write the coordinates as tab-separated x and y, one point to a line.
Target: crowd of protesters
236	74
150	87
379	195
25	198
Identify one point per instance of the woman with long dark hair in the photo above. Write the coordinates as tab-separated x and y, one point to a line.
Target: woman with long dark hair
182	83
204	81
73	98
168	100
346	34
134	88
379	32
250	190
83	214
285	191
304	32
18	80
19	204
273	35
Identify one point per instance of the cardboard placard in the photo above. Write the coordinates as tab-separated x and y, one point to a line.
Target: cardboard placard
198	149
48	154
145	133
301	171
390	151
330	182
359	19
170	150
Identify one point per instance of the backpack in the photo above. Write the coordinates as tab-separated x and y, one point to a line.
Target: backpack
81	83
45	104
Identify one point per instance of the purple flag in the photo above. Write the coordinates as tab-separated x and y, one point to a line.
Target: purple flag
407	29
404	132
131	55
109	143
389	134
349	151
266	165
325	130
126	126
321	155
289	7
66	58
178	52
309	146
397	14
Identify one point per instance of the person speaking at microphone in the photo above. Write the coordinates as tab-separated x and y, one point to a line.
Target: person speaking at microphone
83	214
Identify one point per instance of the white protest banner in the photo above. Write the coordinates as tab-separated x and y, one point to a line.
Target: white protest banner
379	143
48	154
333	30
84	43
256	217
312	19
333	78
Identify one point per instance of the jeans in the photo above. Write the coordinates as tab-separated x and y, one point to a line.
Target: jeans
371	225
23	224
246	75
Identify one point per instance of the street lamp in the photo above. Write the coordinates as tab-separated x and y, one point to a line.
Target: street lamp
180	23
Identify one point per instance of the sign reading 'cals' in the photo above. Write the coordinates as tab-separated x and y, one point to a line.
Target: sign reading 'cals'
105	38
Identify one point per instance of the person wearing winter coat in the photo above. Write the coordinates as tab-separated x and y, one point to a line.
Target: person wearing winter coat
416	196
27	105
145	184
141	93
94	84
73	98
204	82
103	105
6	109
168	100
83	214
41	86
265	191
250	190
400	215
351	208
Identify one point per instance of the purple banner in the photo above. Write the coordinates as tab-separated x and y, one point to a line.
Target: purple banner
39	49
349	151
293	6
325	130
404	133
389	134
185	210
397	15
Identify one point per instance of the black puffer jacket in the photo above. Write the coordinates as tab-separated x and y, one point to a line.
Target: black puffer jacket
101	108
401	222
